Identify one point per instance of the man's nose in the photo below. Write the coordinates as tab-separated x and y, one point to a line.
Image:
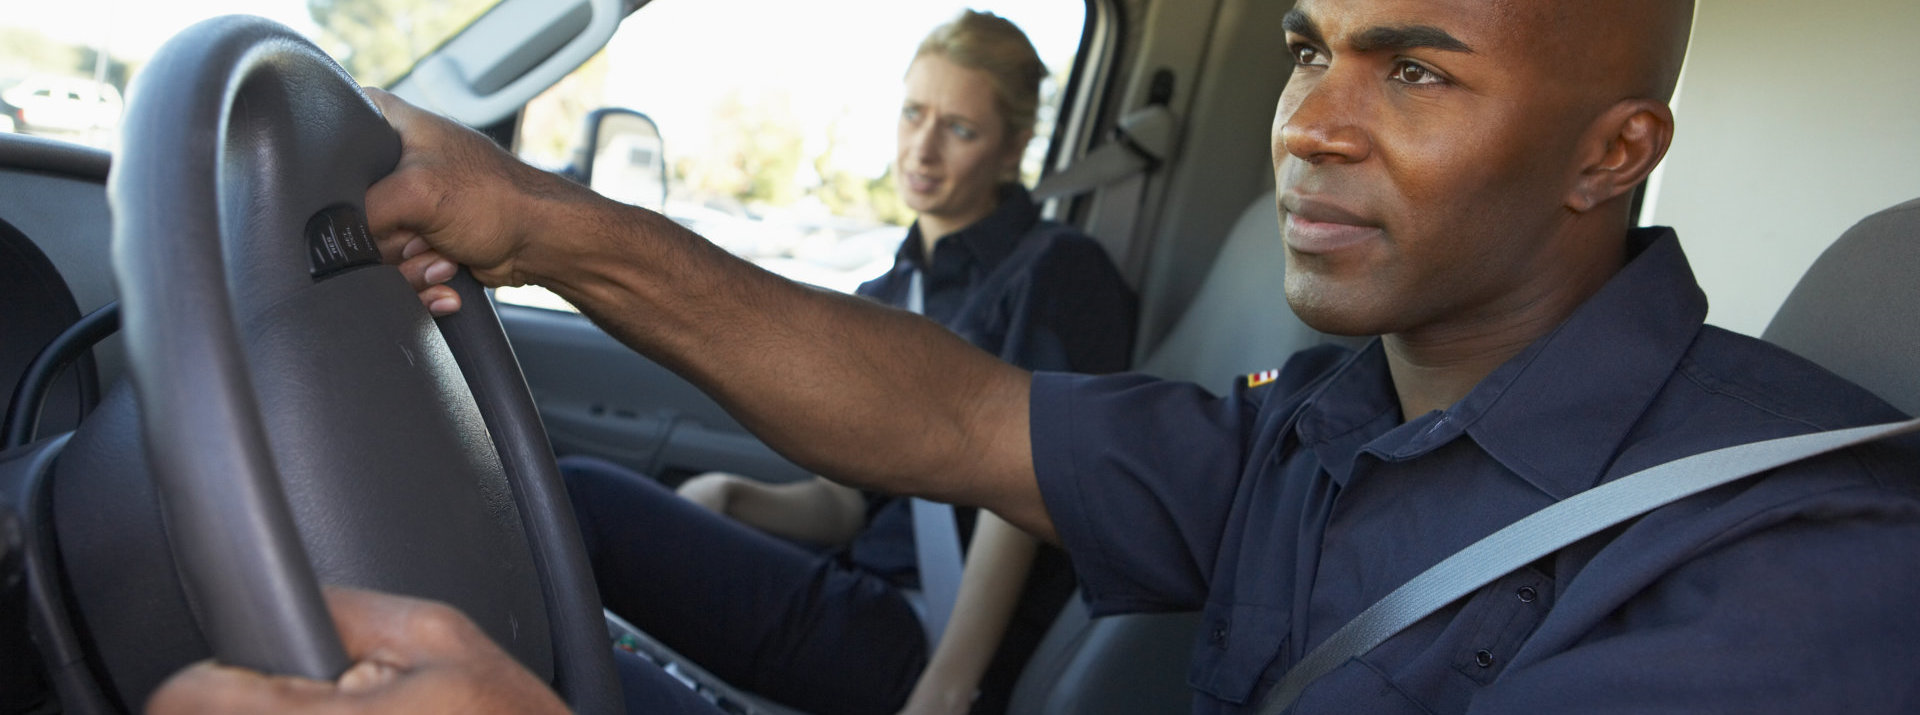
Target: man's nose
1320	121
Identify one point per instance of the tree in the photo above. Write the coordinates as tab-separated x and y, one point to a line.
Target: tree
377	41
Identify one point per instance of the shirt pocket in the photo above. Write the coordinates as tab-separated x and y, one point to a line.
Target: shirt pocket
1235	646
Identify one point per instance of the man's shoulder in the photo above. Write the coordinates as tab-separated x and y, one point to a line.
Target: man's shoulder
1777	383
1732	389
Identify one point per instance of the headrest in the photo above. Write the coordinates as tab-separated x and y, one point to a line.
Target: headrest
1857	310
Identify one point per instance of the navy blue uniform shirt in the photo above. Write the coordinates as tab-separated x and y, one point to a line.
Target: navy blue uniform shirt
1283	510
1039	295
1035	293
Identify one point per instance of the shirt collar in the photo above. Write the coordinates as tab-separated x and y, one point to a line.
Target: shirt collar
986	242
1554	414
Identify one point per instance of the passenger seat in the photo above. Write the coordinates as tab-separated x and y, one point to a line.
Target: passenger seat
1237	324
1857	310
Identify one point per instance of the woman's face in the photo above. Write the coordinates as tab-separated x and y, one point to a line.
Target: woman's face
954	149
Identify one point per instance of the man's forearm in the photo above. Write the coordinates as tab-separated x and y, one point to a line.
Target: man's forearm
871	396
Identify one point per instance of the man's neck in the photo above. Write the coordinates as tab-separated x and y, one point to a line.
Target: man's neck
1432	372
1434	366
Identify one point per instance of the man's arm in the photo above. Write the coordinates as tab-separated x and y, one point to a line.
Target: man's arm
816	511
877	397
990	587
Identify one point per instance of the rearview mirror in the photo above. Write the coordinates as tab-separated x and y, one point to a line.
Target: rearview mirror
623	157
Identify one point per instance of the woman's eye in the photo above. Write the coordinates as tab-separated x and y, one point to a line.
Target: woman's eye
1412	73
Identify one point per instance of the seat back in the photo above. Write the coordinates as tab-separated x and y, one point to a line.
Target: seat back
1857	310
1238	323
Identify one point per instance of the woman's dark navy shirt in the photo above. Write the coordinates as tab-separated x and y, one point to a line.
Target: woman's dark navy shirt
1039	295
1284	509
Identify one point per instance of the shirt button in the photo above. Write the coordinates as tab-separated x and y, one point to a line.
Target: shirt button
1220	634
1527	594
1483	659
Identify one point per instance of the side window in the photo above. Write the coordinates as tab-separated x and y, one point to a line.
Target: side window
778	120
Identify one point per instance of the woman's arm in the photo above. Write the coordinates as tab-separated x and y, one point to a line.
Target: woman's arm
815	511
990	586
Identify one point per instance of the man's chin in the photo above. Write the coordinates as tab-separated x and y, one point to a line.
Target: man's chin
1329	310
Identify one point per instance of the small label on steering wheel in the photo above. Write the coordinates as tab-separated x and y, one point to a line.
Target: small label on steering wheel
338	239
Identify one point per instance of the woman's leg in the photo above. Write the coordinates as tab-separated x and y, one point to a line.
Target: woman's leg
763	614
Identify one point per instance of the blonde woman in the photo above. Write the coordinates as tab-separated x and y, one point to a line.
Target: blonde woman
829	629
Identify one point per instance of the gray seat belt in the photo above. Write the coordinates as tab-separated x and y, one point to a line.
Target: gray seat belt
1141	142
936	535
1549	530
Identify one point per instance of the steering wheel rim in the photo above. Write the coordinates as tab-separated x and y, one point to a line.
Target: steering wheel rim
288	442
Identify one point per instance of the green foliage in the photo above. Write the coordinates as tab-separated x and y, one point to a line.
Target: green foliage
755	155
378	40
28	51
553	125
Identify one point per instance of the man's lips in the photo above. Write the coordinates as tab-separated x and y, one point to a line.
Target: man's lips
1315	226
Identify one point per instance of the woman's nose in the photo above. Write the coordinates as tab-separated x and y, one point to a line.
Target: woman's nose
926	142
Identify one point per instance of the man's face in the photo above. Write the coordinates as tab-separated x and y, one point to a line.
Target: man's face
1422	153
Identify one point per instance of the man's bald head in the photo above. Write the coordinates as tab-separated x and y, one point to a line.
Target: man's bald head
1622	49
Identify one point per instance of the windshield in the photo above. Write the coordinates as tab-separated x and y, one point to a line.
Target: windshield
64	66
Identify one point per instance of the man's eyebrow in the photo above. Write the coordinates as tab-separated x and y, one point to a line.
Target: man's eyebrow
1395	39
1298	23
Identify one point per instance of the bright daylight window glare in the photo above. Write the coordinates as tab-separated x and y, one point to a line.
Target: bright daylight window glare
64	66
778	120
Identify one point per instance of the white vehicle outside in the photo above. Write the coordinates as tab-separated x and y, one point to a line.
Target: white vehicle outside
47	104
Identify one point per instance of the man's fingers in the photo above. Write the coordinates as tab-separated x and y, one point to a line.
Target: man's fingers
207	687
399	112
425	269
440	300
399	631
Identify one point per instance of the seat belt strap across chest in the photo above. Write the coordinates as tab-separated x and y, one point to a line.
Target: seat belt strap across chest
936	534
1551	529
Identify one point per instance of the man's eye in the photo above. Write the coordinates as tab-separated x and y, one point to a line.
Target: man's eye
964	132
1412	73
1306	55
911	114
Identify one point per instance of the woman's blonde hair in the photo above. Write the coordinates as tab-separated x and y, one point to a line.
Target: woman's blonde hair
989	43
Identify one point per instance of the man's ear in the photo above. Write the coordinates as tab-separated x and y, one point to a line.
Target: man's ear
1620	150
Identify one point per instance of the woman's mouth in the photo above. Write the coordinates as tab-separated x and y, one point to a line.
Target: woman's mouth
921	183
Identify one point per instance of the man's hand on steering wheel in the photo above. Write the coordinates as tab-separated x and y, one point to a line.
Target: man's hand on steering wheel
409	656
456	197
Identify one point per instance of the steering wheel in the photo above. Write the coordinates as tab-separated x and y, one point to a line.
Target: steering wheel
306	420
